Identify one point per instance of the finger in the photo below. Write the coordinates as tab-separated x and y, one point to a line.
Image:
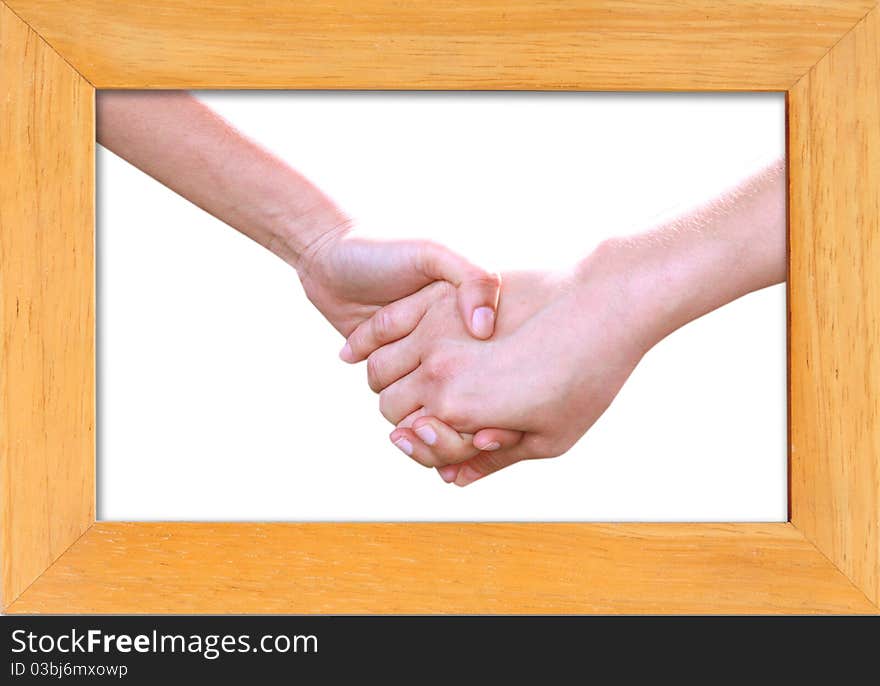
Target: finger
478	299
392	362
433	443
448	472
407	422
485	439
409	443
446	440
478	289
487	463
388	324
496	439
401	398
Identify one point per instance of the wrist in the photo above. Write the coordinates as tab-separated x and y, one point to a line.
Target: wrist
701	260
303	239
627	272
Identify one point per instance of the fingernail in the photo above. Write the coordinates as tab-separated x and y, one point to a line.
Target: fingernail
404	445
346	354
448	473
483	321
427	434
489	447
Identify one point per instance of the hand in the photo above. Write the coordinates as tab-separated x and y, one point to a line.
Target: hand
178	140
524	293
564	345
555	373
349	278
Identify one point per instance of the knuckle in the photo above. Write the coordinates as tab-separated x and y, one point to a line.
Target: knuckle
434	369
383	324
458	415
356	341
442	289
440	367
385	406
437	292
375	368
451	409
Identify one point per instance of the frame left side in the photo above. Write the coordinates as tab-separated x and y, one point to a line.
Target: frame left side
47	311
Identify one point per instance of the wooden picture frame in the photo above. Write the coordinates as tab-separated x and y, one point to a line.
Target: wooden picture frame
825	54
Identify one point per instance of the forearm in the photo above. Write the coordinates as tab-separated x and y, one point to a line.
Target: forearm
706	258
183	144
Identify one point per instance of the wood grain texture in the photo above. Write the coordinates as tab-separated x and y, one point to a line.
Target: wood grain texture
835	305
442	568
47	370
47	307
459	44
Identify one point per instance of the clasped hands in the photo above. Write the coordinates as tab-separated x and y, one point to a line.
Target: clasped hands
479	371
466	403
476	371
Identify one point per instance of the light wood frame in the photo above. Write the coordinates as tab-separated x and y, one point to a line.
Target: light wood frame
825	54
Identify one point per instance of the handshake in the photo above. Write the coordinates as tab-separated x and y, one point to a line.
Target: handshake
475	382
476	371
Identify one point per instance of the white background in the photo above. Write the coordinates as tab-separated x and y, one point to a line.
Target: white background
220	392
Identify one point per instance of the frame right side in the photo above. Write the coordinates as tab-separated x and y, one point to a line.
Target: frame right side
834	304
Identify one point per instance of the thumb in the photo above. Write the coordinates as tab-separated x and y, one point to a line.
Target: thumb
488	462
485	463
478	289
